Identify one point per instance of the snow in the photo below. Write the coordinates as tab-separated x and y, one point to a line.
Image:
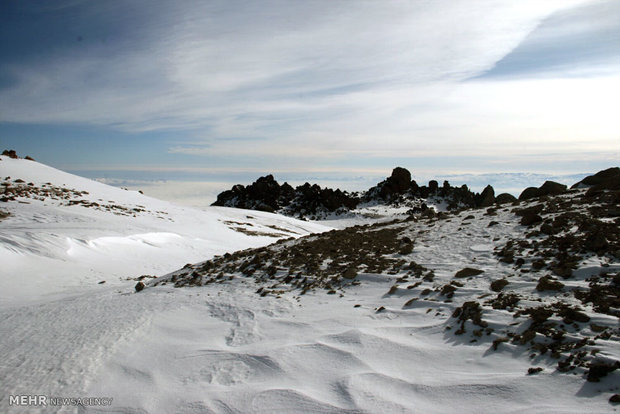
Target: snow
222	348
55	248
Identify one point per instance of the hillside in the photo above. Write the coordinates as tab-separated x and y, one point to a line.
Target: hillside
535	281
60	232
511	307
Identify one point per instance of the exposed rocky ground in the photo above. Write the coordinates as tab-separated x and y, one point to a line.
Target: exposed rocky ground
314	202
18	190
549	289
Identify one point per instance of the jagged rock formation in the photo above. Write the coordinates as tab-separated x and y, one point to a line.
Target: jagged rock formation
266	194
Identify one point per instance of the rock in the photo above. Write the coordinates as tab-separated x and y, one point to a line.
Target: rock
533	371
433	186
498	285
614	399
467	272
600	369
349	274
551	188
548	188
29	158
595	242
400	179
396	184
469	311
505	198
486	198
530	219
529	192
139	286
10	154
546	283
606	180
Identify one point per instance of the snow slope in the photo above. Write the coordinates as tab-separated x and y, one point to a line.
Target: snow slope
48	247
224	348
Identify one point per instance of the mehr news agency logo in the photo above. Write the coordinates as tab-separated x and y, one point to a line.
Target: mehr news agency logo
44	401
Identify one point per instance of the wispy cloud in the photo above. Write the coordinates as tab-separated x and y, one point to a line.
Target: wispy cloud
302	84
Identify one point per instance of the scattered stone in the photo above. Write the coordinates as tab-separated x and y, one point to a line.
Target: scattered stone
546	283
467	272
349	274
530	219
139	286
498	285
599	370
534	371
614	399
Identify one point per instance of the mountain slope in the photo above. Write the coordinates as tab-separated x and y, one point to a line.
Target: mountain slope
511	308
62	231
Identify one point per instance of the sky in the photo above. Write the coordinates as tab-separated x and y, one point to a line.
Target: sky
186	98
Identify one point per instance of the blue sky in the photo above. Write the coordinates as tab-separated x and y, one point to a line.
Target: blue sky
223	91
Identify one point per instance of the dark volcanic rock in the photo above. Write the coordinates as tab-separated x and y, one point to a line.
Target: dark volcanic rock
548	188
530	219
486	198
529	192
546	283
551	188
266	194
396	184
498	285
505	198
606	179
467	272
139	286
600	369
10	154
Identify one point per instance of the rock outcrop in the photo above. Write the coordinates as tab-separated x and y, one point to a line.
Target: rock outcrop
265	194
608	179
548	188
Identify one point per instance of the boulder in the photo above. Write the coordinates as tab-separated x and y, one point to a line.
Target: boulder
486	198
505	198
602	178
548	188
551	188
467	272
139	286
400	179
530	219
529	192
